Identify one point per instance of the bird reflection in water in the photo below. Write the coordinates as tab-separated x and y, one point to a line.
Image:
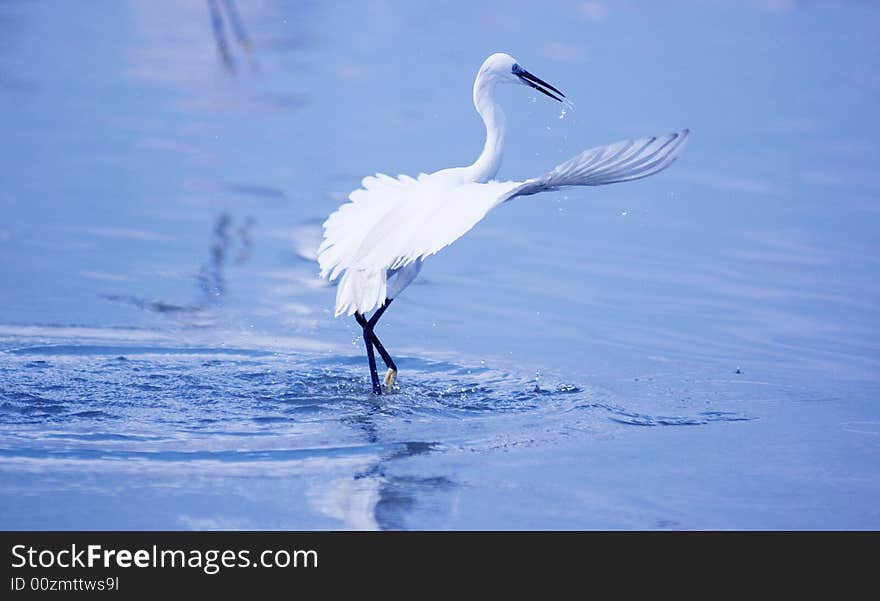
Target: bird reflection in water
217	9
375	498
211	276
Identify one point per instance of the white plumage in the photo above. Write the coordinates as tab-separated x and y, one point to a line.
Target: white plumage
377	241
392	223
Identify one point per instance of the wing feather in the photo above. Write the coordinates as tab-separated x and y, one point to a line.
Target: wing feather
390	223
619	162
346	228
438	216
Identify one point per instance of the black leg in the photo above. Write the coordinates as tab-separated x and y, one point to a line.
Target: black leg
375	318
368	342
386	357
389	362
371	340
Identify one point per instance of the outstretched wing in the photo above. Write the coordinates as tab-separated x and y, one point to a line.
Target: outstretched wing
391	223
619	162
441	213
348	226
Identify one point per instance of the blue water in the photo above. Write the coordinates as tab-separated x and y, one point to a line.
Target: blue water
695	350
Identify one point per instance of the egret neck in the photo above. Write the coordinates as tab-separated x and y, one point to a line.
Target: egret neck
487	164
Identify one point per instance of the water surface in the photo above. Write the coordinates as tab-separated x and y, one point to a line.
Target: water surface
695	350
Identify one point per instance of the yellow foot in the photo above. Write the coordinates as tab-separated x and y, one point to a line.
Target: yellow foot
390	379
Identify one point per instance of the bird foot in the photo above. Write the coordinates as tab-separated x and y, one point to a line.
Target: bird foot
390	379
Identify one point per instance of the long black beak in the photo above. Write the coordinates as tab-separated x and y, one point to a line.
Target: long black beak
537	83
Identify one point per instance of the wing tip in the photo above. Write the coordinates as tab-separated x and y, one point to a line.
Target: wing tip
681	140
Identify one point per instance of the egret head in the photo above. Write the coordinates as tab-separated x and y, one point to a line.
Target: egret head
503	68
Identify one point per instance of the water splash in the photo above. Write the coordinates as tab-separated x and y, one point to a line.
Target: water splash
567	105
153	416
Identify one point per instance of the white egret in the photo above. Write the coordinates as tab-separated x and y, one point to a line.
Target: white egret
378	240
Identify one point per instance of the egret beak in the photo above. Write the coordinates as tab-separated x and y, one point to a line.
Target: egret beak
537	83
